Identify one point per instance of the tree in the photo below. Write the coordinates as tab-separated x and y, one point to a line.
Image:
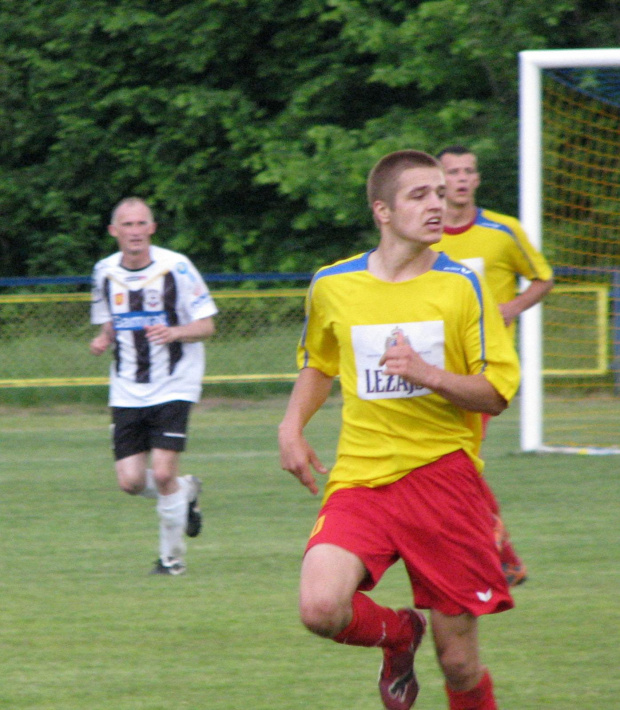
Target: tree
249	125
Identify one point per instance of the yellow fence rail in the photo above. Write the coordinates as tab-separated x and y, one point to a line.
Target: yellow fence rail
44	337
577	331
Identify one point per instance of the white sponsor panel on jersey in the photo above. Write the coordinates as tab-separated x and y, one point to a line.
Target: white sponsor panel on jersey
370	343
475	263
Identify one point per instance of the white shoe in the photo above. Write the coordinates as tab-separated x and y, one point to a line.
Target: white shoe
171	566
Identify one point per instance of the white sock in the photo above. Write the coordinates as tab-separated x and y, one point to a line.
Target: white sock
172	511
150	489
183	486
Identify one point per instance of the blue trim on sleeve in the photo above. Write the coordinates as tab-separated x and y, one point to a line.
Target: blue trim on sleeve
355	263
482	221
445	264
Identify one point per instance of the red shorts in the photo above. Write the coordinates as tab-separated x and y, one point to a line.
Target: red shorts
437	520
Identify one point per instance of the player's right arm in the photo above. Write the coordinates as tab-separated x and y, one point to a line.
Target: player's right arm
102	341
100	311
310	391
532	295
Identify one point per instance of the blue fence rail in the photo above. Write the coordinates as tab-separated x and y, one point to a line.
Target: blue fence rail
19	281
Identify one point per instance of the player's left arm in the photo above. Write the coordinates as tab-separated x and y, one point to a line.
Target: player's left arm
526	261
488	377
192	332
197	305
471	392
532	295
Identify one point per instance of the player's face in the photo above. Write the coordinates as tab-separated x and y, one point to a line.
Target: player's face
462	178
133	227
418	208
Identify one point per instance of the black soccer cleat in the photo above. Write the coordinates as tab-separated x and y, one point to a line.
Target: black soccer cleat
194	516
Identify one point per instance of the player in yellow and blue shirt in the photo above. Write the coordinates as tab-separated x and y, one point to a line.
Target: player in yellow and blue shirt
497	247
493	244
421	350
346	333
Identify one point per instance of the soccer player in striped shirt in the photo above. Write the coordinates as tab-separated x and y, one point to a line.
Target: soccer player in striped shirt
154	310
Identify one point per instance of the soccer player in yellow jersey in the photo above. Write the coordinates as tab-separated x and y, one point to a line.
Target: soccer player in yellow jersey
495	246
421	350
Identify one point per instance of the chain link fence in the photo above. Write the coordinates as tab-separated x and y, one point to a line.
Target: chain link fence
44	338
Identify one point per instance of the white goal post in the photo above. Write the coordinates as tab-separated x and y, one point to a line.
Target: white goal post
531	64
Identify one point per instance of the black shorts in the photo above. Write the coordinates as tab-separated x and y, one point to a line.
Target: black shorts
139	429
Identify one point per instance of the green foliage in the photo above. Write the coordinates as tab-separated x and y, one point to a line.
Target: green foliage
249	126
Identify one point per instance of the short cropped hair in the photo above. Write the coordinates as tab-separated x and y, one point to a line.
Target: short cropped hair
129	201
454	150
383	179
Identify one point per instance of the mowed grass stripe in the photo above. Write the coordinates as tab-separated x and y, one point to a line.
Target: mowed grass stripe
84	625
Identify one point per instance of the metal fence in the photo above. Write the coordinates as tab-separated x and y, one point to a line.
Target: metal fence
44	338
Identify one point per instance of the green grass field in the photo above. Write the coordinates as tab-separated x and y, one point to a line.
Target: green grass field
82	624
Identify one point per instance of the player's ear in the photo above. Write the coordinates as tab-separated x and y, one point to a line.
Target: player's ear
380	211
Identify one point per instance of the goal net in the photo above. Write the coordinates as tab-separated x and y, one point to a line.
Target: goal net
570	206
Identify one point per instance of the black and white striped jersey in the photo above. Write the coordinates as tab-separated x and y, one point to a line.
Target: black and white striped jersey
169	290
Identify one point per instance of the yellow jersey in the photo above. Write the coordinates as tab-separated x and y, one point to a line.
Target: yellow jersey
496	247
389	426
